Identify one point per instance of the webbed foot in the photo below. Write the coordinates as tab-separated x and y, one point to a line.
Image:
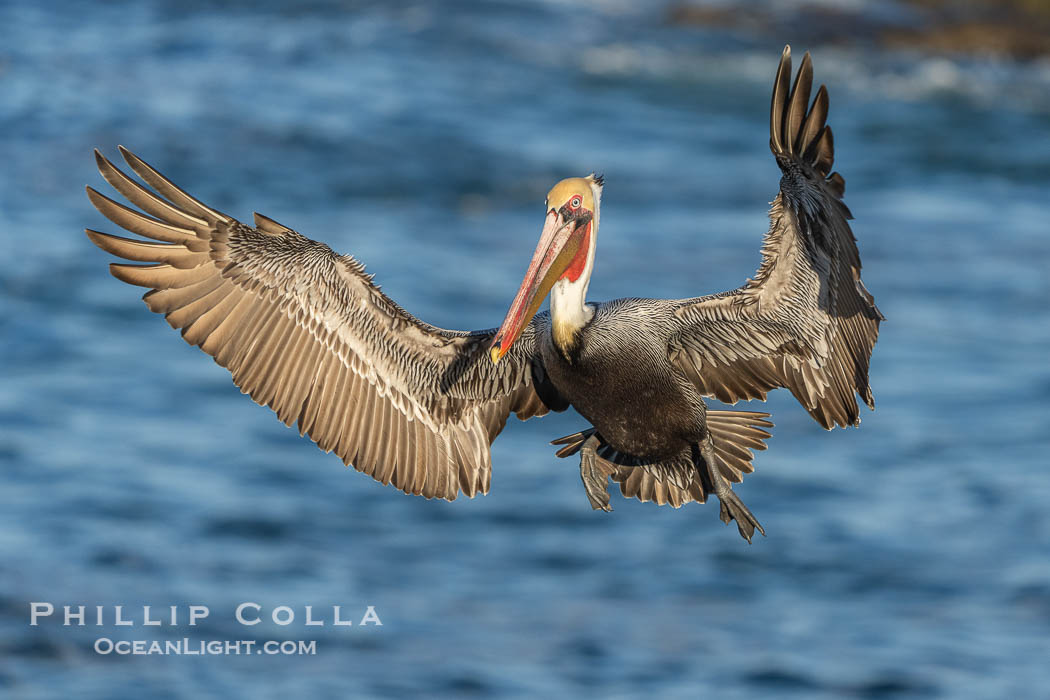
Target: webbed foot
730	505
594	479
732	508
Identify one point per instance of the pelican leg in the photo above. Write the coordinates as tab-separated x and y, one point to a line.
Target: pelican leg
594	479
731	507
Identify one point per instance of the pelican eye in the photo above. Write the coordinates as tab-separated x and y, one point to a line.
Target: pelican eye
575	202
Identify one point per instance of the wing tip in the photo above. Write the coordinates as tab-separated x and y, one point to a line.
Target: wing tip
797	123
97	237
118	270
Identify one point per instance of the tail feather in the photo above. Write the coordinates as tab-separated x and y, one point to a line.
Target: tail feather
677	480
736	434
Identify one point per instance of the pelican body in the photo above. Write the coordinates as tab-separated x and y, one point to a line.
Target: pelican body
306	332
627	388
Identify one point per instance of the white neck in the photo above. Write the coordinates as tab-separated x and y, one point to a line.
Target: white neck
569	310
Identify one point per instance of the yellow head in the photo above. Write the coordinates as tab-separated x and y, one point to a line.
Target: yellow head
563	253
576	194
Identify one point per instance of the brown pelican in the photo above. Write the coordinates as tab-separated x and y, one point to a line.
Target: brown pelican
306	332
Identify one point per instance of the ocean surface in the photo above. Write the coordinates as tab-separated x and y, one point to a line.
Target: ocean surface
907	558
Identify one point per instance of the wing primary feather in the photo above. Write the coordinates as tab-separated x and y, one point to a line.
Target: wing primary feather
173	254
159	275
169	190
780	96
141	197
799	102
143	225
814	124
824	157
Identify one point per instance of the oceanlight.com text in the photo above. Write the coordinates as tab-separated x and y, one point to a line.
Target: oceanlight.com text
191	647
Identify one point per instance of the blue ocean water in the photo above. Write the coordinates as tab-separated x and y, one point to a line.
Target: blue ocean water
907	558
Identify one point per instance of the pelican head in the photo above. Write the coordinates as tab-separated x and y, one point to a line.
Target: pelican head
563	257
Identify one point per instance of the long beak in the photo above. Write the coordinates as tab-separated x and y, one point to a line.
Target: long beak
558	245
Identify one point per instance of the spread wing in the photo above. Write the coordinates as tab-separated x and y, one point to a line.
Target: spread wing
306	332
805	322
